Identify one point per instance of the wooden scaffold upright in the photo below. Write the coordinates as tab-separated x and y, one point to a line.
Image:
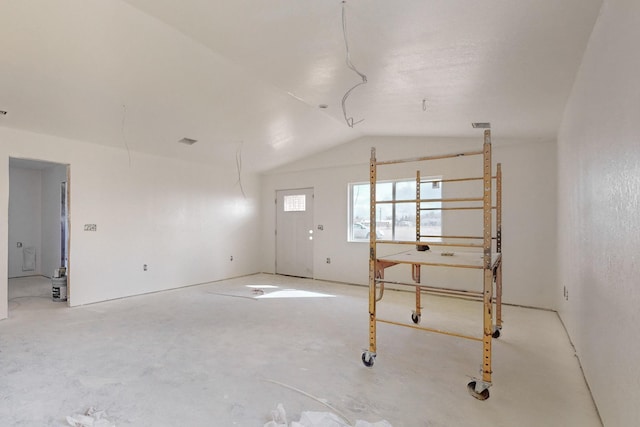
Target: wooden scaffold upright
490	261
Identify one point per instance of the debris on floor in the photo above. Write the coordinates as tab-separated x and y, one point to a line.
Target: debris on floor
91	418
317	419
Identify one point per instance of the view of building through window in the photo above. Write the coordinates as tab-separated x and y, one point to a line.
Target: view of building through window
394	221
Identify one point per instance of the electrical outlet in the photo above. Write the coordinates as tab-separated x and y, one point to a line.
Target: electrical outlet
231	258
328	260
144	267
90	227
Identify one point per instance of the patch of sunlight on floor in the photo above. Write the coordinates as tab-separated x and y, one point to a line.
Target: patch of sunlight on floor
294	293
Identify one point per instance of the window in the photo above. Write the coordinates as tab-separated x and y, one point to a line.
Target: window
394	221
295	203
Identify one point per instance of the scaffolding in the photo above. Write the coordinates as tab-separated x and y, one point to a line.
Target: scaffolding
489	260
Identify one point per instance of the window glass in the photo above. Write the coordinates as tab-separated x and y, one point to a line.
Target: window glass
295	203
384	191
431	220
406	190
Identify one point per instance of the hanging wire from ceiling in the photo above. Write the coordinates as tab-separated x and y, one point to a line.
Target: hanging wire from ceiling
124	138
350	121
239	168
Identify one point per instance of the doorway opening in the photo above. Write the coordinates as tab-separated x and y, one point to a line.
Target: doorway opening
38	235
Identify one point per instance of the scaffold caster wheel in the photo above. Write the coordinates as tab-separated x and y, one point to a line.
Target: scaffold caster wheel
496	333
368	359
483	395
416	318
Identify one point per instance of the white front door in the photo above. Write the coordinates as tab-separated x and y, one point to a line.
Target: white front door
294	232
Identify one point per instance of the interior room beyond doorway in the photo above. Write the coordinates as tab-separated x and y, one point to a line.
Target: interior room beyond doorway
38	224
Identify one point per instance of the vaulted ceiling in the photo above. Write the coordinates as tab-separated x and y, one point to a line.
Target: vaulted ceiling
251	74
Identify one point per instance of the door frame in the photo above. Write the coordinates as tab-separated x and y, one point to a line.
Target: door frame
312	190
68	225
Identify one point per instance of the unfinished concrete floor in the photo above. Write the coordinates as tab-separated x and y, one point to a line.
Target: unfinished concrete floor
214	355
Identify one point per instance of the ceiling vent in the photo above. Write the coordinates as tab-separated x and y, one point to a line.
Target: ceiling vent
188	141
481	125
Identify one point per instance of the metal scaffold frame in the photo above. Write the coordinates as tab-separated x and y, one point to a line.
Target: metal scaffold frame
490	262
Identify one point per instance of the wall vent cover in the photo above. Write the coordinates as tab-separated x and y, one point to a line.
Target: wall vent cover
481	125
188	141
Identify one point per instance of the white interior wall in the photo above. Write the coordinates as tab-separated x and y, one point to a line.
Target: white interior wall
52	178
598	213
529	190
25	206
184	220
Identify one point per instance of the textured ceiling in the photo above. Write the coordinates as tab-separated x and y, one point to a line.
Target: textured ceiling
250	74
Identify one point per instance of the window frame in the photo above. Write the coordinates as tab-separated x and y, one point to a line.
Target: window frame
351	220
